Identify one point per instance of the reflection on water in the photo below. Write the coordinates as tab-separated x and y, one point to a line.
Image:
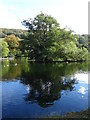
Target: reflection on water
83	78
43	89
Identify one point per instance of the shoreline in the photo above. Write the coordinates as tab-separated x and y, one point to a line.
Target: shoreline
40	61
82	114
8	58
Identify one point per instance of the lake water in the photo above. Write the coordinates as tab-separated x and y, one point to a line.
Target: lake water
31	90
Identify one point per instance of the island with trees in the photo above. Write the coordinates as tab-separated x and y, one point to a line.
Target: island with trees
44	40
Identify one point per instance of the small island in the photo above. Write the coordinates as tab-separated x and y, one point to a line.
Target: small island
44	40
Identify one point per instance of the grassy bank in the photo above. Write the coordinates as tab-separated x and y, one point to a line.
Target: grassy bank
80	115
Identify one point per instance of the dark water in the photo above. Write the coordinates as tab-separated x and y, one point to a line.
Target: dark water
31	90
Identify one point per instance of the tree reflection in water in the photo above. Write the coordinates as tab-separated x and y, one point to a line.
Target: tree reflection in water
46	83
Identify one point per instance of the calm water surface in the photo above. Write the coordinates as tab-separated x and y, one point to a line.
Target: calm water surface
32	90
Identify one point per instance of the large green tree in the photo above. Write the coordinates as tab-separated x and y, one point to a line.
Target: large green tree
47	41
43	32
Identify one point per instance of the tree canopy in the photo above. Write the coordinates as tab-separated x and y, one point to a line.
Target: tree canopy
4	50
13	43
47	41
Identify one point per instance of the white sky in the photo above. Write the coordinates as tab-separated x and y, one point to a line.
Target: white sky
70	13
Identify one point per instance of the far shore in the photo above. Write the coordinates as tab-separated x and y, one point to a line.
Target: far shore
7	58
41	61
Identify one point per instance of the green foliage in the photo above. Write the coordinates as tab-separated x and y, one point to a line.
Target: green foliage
4	50
83	40
69	51
17	32
43	32
13	43
47	41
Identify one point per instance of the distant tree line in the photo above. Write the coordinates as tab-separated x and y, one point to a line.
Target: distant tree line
17	32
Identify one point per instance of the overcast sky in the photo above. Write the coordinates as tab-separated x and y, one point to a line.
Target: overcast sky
70	13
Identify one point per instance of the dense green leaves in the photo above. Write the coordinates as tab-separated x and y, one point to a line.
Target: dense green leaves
43	32
13	43
4	50
47	41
